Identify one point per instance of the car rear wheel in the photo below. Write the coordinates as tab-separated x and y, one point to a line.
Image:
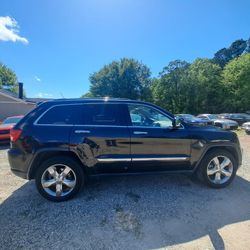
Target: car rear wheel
218	168
59	179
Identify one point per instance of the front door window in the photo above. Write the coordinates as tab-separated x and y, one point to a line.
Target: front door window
145	116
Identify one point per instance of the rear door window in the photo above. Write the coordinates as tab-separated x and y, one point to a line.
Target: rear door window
102	114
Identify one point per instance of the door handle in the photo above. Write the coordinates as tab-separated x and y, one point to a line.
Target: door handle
140	133
82	131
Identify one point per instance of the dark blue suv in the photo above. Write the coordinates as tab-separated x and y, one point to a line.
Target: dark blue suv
61	142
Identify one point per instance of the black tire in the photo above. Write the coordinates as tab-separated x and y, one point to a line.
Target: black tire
203	167
248	132
76	173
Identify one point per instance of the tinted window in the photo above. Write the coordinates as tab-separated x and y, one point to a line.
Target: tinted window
12	120
237	116
65	114
146	116
101	114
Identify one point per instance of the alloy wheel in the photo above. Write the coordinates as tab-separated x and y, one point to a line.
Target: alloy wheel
58	180
220	169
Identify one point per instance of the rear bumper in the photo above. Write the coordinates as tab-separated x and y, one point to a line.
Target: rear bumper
4	137
18	173
18	163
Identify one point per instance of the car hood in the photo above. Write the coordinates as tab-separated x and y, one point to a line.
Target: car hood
225	121
195	120
246	124
198	119
210	133
206	128
7	126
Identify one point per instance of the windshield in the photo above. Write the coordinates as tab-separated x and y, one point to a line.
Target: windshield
212	116
186	116
12	120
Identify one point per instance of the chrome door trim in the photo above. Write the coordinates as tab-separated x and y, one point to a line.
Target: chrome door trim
143	159
82	131
140	133
160	159
113	159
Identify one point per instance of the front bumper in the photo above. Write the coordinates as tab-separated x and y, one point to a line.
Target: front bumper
247	129
230	126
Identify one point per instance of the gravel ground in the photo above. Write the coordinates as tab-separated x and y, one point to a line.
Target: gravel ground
139	212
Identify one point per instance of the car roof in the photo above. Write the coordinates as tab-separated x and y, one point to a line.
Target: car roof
94	100
101	100
90	99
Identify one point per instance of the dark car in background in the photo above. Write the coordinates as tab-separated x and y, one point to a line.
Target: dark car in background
62	142
238	117
219	122
188	118
7	125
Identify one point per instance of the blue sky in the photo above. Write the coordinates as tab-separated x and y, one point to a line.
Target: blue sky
61	42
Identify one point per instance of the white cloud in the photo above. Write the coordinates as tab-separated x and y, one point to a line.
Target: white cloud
37	79
44	95
9	30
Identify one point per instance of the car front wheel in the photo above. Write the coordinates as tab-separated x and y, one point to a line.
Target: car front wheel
218	168
59	179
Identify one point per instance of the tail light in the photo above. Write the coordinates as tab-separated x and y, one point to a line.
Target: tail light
15	134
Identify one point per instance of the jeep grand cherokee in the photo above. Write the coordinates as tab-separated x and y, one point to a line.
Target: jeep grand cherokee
61	142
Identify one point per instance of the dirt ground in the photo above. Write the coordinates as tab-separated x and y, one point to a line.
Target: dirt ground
139	212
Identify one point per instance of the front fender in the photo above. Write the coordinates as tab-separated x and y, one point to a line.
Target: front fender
199	148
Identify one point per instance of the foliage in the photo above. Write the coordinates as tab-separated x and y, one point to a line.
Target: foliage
236	79
87	95
205	91
126	78
8	79
189	88
169	90
237	48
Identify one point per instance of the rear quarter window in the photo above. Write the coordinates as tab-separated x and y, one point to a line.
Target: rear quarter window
60	115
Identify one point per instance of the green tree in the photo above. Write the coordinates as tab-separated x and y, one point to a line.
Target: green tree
126	78
237	48
204	89
87	95
169	90
185	88
236	79
8	79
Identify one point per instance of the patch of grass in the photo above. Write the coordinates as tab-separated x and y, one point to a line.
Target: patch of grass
240	132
